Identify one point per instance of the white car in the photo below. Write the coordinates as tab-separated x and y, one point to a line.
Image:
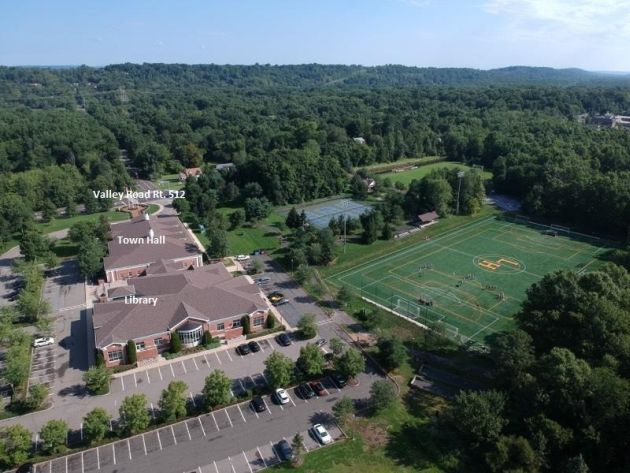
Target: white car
242	257
42	342
322	434
282	396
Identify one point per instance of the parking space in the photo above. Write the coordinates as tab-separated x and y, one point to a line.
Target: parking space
43	366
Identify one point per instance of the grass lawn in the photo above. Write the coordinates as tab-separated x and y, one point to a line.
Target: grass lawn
152	208
384	167
169	181
407	176
66	222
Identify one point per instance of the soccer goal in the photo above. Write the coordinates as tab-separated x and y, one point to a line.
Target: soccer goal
423	314
560	228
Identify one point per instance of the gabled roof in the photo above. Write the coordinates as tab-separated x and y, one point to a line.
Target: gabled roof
428	217
208	293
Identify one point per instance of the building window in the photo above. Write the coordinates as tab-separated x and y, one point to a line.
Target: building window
236	323
190	336
158	342
220	326
258	321
115	355
140	346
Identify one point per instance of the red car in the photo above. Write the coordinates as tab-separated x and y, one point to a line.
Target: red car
319	388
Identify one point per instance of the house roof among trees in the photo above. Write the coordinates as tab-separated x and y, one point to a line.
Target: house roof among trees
428	217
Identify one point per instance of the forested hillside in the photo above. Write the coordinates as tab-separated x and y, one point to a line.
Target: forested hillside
291	129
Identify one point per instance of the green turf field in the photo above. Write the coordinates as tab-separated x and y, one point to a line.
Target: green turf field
470	280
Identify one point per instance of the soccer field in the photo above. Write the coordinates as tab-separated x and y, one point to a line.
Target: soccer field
470	280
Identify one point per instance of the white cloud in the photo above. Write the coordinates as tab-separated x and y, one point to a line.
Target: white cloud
586	19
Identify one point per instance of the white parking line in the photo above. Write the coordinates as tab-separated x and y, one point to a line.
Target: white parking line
192	398
50	467
122	380
144	444
264	377
183	366
148	377
98	460
152	411
187	430
207	362
228	354
268	410
239	410
261	347
66	464
81	430
233	469
172	372
228	417
82	464
129	448
159	439
220	362
160	371
215	466
254	410
247	461
261	457
201	425
114	453
291	399
273	449
199	469
242	385
195	363
173	432
135	380
215	420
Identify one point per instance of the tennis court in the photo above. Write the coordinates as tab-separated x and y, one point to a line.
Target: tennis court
469	282
320	214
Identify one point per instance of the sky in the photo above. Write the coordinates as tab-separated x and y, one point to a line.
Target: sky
485	34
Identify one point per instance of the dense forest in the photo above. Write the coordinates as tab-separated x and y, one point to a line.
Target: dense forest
291	130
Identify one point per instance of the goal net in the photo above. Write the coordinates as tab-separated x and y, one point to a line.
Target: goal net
423	314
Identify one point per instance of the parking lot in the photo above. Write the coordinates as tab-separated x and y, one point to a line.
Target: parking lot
235	439
43	366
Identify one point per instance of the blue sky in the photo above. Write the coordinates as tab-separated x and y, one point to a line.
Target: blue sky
591	34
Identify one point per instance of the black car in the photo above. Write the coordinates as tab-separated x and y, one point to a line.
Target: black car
243	349
254	347
258	404
284	340
285	450
340	380
305	391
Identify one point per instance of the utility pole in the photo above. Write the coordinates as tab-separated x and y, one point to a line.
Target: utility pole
345	234
460	175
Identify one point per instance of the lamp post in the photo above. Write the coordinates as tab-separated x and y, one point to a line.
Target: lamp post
460	175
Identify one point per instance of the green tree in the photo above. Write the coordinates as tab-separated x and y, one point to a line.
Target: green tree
278	370
293	219
246	324
37	395
311	360
176	343
256	266
392	352
49	211
15	444
303	274
216	390
297	444
53	436
343	296
336	346
388	232
96	424
237	218
34	246
132	354
271	321
218	247
351	363
382	395
17	366
173	401
307	326
134	414
97	380
206	339
478	416
343	410
513	454
91	252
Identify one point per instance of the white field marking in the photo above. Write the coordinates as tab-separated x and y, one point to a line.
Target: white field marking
114	453
144	444
160	371
172	372
413	247
129	448
239	410
273	449
227	352
247	461
207	362
135	380
82	464
192	398
122	381
215	421
261	457
173	434
483	328
228	417
201	425
148	376
219	360
215	466
195	363
184	366
188	430
152	411
159	439
98	460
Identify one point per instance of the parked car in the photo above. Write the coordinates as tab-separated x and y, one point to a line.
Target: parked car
285	450
242	257
258	404
339	379
321	342
254	347
43	341
282	396
283	339
322	434
305	391
263	280
275	296
243	349
281	302
26	468
319	388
